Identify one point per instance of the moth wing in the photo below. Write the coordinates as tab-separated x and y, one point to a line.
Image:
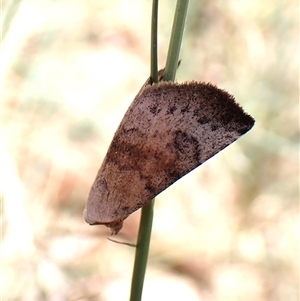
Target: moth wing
168	130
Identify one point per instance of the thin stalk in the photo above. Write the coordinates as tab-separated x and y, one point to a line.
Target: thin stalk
154	21
176	39
144	236
10	13
142	248
141	254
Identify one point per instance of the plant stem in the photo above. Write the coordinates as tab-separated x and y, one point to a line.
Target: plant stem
10	13
142	248
176	39
144	236
141	255
154	69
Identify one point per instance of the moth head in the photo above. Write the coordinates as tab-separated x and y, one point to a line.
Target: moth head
115	227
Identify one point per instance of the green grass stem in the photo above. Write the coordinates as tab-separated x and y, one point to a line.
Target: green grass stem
176	39
154	22
144	236
9	16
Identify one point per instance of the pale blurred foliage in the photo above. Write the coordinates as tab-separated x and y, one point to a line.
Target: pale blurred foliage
227	231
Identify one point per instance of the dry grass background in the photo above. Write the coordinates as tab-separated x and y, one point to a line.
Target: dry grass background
227	231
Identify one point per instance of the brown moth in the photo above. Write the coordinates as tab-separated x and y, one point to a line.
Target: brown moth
168	130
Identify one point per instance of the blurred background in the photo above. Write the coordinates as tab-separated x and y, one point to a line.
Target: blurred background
226	231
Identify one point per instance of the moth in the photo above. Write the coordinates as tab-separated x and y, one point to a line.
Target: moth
168	130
